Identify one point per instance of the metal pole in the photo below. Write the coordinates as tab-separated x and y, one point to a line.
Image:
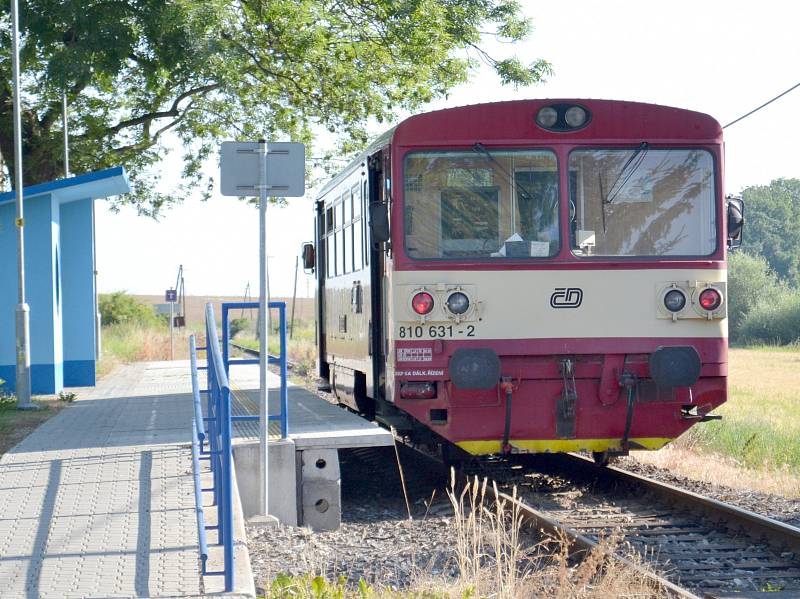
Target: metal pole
171	330
294	296
66	133
23	343
263	406
269	295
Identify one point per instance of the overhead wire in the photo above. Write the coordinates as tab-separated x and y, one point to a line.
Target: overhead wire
744	116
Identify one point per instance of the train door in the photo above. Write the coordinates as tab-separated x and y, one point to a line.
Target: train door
321	267
377	257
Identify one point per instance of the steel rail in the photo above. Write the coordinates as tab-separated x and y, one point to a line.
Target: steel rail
553	528
772	532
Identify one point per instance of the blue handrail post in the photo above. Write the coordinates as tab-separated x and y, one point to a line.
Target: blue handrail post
219	431
226	518
199	429
283	367
226	342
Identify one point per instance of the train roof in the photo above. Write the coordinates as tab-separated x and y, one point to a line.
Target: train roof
512	121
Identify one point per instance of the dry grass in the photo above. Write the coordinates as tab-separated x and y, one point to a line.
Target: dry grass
494	560
131	342
196	306
686	458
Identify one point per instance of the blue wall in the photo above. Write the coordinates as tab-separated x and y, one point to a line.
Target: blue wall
77	293
43	293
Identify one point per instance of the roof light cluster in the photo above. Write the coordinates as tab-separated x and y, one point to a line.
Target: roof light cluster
563	117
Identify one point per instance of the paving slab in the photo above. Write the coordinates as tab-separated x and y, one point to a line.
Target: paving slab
99	500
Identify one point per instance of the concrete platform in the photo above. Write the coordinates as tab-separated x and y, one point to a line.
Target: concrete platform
304	476
313	422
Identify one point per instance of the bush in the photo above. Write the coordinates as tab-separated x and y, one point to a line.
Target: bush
119	307
749	280
238	325
775	319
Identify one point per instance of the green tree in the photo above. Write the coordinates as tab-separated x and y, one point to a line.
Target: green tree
213	69
773	226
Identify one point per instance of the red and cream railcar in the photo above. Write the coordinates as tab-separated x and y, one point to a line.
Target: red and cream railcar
532	276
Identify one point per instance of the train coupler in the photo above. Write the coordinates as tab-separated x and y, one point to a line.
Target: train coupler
698	413
628	381
565	406
507	386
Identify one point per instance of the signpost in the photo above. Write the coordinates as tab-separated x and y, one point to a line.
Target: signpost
171	296
265	169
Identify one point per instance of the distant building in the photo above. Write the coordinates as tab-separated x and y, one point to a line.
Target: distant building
59	286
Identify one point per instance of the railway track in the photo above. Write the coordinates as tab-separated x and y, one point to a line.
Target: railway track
693	546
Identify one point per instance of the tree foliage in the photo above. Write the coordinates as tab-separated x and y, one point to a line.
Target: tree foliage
773	226
212	69
119	307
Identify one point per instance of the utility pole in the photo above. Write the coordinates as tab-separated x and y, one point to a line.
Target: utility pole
23	342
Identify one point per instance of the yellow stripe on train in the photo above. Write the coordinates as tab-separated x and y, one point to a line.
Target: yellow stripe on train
562	445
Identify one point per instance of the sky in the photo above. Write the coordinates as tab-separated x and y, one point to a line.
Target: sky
723	58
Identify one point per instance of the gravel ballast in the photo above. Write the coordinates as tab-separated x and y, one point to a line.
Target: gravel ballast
378	542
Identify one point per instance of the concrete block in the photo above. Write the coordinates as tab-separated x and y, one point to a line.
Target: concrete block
320	464
283	490
322	504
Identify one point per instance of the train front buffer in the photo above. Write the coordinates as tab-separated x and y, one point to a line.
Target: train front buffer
530	362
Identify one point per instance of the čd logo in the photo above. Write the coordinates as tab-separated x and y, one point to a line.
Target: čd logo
566	297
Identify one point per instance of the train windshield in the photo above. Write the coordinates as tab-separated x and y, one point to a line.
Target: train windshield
642	202
479	204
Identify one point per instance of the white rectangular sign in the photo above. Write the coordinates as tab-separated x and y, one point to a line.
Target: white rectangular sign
240	169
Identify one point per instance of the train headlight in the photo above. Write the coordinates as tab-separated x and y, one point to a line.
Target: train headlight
422	303
575	116
674	300
710	299
458	303
547	117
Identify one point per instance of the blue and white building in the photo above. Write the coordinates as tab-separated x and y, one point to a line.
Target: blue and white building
60	281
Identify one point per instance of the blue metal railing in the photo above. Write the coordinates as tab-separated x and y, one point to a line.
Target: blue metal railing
280	359
218	434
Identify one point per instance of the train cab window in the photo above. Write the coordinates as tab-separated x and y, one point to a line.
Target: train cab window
491	204
642	202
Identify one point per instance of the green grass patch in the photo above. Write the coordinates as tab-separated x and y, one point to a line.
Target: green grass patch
16	424
761	419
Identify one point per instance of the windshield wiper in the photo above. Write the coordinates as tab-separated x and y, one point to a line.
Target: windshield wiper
614	190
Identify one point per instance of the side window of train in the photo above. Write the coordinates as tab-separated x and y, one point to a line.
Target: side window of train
337	225
345	234
365	204
358	232
330	251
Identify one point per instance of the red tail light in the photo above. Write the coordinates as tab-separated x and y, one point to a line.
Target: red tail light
710	299
418	390
422	302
